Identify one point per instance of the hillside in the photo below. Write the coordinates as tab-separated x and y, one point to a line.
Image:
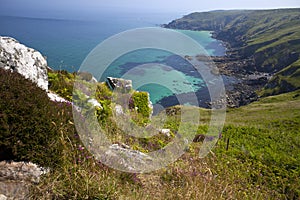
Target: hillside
269	38
257	156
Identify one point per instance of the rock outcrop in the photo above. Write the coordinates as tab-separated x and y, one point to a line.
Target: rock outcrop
17	177
125	159
24	60
121	85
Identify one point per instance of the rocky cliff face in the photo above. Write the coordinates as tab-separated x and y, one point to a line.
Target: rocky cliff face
24	60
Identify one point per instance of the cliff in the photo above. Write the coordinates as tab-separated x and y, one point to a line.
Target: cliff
270	39
23	60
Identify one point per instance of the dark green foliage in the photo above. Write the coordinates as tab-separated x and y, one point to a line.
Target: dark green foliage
30	124
141	101
104	96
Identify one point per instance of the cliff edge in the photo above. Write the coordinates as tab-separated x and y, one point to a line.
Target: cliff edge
23	60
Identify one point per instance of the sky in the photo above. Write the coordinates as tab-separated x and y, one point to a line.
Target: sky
57	8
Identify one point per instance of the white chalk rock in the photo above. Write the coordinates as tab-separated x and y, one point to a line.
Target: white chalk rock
24	60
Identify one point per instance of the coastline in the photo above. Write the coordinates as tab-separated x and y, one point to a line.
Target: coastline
249	81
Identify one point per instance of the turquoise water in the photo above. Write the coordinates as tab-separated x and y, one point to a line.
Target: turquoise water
172	82
158	72
66	43
204	38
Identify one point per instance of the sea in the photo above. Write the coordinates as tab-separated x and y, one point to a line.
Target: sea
66	43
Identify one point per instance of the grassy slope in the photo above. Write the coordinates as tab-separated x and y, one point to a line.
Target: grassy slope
260	163
285	79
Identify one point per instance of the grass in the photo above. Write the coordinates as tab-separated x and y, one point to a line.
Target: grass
260	161
283	81
256	158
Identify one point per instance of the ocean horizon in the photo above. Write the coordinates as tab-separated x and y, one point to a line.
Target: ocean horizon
66	43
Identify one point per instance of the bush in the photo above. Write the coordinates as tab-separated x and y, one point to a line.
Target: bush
30	124
61	82
141	101
139	105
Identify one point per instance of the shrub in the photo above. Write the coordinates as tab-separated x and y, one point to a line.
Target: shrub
30	124
61	82
140	110
141	101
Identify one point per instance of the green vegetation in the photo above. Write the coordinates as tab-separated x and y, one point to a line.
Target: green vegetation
139	103
285	80
256	158
260	163
271	38
61	82
30	124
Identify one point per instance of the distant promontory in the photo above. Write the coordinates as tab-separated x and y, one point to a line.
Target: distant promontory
258	42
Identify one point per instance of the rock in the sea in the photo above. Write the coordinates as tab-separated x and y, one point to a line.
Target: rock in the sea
24	60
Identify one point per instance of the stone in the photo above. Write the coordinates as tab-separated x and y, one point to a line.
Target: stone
21	171
119	110
165	132
126	159
95	103
3	197
119	84
54	97
26	61
17	177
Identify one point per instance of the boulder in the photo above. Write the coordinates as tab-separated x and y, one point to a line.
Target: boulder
119	84
55	97
23	60
119	110
17	177
126	159
165	131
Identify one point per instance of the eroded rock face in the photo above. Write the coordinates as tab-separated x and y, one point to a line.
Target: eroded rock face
24	60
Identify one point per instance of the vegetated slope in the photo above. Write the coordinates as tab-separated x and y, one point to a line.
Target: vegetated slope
270	37
266	134
31	124
259	163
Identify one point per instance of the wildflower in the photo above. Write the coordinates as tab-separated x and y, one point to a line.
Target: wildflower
80	148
